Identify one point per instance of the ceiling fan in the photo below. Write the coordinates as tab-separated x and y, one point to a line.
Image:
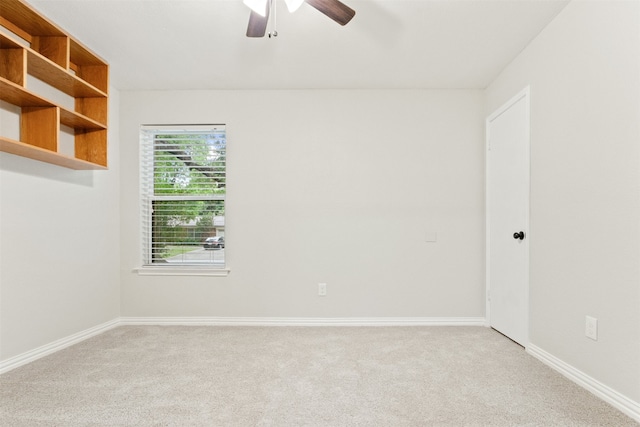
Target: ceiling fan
260	10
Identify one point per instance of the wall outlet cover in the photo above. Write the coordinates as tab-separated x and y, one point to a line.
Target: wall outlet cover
322	289
591	328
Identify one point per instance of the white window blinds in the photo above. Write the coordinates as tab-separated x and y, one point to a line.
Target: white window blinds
183	189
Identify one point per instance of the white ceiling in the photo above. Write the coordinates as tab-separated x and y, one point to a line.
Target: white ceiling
389	44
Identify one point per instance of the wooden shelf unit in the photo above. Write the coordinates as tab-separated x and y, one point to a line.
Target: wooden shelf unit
49	54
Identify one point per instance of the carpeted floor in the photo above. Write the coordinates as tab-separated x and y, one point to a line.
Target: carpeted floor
296	376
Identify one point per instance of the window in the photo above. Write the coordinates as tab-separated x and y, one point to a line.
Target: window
183	189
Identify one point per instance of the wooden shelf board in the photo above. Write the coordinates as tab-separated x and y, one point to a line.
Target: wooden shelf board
9	43
17	95
55	75
24	17
80	55
36	153
78	121
58	77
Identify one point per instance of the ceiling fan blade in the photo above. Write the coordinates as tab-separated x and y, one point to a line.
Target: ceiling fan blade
334	9
257	24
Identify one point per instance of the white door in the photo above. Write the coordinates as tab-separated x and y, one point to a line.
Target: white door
508	219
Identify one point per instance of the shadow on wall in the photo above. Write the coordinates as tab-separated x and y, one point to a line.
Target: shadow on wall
24	166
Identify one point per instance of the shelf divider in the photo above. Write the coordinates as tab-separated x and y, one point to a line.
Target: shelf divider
19	148
13	65
54	48
91	145
40	127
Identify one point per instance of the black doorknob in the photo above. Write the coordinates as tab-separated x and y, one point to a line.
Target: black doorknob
519	235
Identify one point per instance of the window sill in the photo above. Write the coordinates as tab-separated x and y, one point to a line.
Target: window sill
182	271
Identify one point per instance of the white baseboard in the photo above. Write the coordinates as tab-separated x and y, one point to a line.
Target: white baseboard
45	350
615	399
306	321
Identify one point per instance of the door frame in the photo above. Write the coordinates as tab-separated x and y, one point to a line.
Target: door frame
526	94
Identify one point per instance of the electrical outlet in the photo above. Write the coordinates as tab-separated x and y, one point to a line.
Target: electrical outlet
591	328
322	289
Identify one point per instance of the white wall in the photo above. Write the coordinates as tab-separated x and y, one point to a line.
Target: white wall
59	245
584	73
326	186
342	186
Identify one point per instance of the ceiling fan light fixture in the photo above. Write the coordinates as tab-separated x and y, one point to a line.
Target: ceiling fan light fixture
261	9
258	6
293	5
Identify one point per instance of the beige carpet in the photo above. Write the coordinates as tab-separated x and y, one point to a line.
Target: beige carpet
296	376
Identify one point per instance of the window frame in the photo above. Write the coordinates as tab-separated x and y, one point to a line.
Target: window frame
147	196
